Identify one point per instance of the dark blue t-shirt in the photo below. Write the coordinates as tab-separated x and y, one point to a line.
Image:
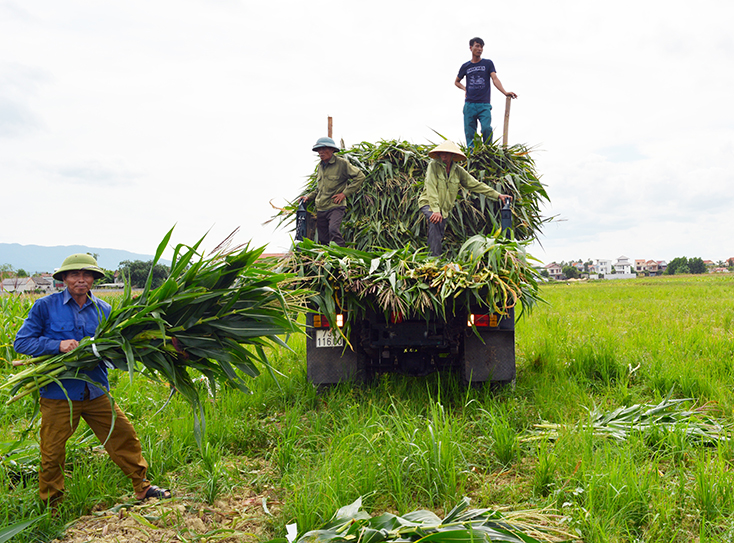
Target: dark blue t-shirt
477	80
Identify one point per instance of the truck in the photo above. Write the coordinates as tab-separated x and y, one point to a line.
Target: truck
480	345
352	339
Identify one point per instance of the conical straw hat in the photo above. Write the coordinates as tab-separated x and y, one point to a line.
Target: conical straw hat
447	147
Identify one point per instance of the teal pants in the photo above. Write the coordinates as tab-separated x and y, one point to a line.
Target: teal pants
474	112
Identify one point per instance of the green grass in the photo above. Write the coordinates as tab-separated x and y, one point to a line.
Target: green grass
408	443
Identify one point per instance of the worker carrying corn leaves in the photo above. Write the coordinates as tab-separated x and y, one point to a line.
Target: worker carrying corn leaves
438	197
336	179
56	324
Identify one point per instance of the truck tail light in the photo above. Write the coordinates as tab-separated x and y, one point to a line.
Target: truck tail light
483	321
320	321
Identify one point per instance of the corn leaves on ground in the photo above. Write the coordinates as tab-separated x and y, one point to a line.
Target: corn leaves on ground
460	525
213	314
696	424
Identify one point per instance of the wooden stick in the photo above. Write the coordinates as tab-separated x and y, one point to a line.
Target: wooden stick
507	121
329	127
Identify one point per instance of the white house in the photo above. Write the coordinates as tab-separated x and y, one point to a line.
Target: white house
623	265
602	266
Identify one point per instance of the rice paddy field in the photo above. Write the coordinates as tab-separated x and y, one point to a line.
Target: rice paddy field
618	428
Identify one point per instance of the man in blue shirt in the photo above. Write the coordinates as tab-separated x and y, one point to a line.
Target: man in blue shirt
56	324
477	107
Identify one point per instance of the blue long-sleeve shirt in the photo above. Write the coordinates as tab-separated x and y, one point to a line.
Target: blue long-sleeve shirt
55	318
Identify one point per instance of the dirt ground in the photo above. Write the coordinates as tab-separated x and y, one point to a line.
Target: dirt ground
228	520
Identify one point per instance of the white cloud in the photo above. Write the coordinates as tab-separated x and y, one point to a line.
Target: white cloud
199	113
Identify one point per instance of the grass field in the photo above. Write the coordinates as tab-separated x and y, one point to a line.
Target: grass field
552	448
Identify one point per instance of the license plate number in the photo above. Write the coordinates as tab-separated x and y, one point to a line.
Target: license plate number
327	338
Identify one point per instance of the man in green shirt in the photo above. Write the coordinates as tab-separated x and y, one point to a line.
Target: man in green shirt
443	178
336	179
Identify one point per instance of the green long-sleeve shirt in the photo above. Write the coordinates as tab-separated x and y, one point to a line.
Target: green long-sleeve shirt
440	190
337	175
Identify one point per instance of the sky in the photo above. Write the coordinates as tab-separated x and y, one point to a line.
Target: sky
119	120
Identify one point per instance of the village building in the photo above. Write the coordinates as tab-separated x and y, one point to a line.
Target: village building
602	266
19	284
623	265
652	268
554	271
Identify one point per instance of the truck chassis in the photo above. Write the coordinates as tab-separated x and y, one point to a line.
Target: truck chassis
483	353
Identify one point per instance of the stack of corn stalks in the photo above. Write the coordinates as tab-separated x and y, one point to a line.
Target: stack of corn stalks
489	272
386	269
384	214
213	314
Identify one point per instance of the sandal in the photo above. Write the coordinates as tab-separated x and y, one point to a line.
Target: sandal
155	492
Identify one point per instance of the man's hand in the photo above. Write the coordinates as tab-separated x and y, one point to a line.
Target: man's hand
504	198
511	94
67	345
303	198
338	198
435	217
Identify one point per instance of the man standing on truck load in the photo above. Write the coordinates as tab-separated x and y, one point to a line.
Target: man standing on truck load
336	179
478	72
56	324
438	197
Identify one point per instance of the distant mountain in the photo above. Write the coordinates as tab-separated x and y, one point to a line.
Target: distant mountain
39	259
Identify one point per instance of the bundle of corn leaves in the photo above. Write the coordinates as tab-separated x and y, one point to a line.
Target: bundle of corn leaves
461	525
213	314
670	415
384	213
489	272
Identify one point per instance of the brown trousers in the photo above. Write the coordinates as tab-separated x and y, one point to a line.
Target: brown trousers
329	224
123	445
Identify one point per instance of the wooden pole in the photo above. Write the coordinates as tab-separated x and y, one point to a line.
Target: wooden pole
507	121
329	127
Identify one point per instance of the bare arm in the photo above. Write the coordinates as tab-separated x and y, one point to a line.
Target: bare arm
458	84
498	84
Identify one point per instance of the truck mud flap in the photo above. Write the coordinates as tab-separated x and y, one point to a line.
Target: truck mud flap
331	365
490	360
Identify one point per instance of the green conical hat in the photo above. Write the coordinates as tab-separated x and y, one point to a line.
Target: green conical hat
325	142
79	261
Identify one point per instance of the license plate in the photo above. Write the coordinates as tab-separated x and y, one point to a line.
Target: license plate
327	338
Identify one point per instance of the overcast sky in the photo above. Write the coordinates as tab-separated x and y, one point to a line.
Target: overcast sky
120	119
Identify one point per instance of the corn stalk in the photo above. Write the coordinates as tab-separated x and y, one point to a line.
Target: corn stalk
384	214
489	272
460	525
214	315
670	415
